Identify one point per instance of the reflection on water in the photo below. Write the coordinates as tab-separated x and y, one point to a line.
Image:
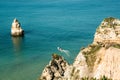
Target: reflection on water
17	43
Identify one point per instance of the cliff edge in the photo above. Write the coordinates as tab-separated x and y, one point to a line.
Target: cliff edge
99	59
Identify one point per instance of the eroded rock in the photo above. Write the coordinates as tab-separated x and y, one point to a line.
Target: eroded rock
16	29
55	69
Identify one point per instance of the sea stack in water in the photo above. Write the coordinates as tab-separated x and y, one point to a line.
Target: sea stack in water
16	29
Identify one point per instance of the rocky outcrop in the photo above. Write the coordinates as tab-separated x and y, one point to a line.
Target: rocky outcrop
55	69
108	31
16	29
101	58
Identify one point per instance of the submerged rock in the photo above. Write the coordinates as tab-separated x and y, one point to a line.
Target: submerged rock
16	29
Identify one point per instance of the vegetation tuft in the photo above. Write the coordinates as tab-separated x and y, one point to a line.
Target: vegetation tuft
101	78
56	56
90	54
116	46
109	20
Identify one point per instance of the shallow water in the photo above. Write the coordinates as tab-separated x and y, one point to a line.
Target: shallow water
69	24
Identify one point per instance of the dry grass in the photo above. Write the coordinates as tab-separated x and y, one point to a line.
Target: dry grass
91	54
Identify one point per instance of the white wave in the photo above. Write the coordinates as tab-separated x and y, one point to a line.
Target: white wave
64	51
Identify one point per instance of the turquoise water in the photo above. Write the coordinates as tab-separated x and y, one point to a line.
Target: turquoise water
69	24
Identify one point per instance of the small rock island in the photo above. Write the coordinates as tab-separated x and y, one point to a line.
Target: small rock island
98	61
16	29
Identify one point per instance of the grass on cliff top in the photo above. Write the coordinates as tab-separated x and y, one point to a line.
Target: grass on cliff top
90	55
109	20
56	56
110	23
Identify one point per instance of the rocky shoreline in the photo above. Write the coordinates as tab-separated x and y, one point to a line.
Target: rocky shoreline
99	59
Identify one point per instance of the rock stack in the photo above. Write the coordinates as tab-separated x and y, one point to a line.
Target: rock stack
16	29
56	68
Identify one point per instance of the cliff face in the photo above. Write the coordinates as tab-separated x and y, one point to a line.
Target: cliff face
101	58
109	64
100	61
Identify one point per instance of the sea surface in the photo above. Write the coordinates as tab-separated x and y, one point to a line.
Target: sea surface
48	24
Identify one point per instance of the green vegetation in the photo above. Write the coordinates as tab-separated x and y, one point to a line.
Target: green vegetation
56	56
103	26
82	48
85	78
116	46
109	23
102	78
90	54
73	70
74	74
109	20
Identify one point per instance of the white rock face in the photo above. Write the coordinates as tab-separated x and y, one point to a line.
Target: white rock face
109	65
16	29
78	70
108	31
81	65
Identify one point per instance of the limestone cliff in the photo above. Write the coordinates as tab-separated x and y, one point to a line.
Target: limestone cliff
108	31
101	58
16	29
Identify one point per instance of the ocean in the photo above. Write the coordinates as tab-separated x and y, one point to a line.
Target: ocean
48	24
